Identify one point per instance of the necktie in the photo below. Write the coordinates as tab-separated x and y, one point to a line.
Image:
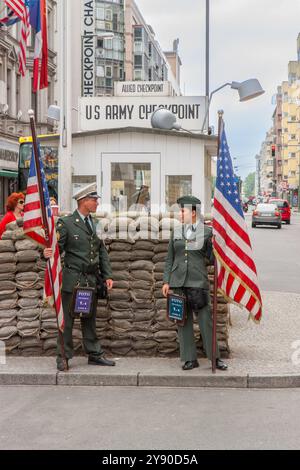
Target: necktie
87	223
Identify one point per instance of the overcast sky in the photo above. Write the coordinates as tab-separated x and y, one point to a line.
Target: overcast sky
249	38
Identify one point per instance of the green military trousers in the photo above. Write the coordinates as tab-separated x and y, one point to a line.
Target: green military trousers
188	350
91	342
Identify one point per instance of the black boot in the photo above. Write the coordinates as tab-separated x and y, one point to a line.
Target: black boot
100	361
221	365
189	365
61	365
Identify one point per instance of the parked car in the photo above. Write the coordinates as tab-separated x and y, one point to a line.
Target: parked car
266	214
284	209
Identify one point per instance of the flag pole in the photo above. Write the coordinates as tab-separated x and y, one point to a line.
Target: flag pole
215	295
45	222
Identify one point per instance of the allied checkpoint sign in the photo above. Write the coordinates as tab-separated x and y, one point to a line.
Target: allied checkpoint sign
115	112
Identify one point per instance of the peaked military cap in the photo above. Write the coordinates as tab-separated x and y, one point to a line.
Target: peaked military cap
188	201
87	191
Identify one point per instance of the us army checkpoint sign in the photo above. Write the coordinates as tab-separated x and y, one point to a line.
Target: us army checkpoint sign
115	112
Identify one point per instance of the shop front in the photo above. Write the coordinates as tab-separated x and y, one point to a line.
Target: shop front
9	151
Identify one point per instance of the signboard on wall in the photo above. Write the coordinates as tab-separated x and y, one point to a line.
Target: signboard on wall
143	89
88	47
115	112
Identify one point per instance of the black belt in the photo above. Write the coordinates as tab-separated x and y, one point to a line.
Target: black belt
92	269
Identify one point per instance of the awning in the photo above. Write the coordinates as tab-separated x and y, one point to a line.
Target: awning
9	174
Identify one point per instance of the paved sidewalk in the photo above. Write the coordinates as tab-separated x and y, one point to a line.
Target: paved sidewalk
261	358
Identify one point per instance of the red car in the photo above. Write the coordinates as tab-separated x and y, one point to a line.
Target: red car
284	209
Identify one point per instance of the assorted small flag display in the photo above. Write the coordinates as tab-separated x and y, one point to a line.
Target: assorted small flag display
31	13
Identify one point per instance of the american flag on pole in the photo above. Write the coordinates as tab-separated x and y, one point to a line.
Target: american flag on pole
237	275
34	229
21	11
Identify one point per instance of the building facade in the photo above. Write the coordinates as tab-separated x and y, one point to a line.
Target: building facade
285	136
16	97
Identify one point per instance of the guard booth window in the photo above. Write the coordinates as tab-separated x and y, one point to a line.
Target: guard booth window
131	186
177	186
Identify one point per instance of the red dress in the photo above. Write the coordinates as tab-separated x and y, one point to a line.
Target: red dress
7	219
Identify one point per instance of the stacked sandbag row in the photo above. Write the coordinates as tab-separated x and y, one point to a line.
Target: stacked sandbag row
119	311
131	323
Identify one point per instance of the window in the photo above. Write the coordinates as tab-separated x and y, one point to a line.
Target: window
150	49
138	33
100	71
108	83
177	186
108	43
108	71
138	47
100	43
100	13
115	22
138	74
130	186
138	61
108	15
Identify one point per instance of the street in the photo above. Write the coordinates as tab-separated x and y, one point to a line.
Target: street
125	418
277	255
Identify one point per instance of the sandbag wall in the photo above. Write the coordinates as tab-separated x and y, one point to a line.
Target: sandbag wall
131	323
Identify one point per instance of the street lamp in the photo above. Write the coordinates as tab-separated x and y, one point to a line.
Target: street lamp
248	90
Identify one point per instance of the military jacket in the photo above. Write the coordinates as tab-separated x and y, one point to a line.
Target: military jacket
186	259
82	251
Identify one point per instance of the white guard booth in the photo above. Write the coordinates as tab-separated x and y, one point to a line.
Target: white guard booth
143	166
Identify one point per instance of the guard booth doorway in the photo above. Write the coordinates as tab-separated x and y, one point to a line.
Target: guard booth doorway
131	181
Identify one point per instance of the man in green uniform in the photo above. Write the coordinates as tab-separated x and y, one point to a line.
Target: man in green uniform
84	255
186	273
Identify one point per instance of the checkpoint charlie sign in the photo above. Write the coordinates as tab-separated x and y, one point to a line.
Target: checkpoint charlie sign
88	47
114	112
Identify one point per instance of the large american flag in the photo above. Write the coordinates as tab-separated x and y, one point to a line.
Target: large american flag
237	275
34	229
21	10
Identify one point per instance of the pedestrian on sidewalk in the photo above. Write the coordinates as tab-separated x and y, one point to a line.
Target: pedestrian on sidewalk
186	274
14	208
85	259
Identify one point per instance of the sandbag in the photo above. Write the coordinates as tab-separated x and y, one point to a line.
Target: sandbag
7	235
141	294
136	255
144	245
10	303
27	256
22	245
8	286
141	265
120	256
29	314
160	257
119	294
7	332
145	223
161	248
31	294
30	303
159	267
7	277
18	234
26	267
121	246
7	257
8	295
7	246
144	285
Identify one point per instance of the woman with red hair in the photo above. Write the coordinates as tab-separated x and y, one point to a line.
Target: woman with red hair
14	207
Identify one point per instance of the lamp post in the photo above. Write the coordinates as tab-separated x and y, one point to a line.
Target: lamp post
248	90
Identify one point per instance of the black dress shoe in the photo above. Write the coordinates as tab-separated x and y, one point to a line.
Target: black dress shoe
100	361
189	365
221	365
61	365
